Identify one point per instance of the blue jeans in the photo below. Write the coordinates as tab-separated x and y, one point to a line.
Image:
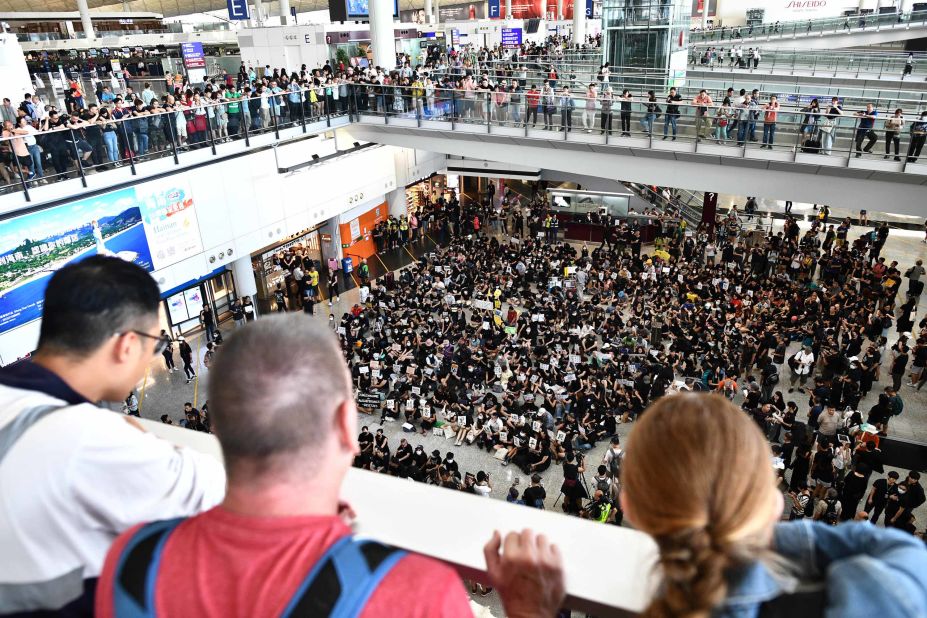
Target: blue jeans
647	123
112	145
671	119
141	139
769	133
36	160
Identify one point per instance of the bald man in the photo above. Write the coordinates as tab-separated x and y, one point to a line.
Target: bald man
277	545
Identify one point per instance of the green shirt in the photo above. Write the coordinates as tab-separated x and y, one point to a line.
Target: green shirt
233	98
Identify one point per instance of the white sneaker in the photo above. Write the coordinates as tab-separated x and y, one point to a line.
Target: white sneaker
329	303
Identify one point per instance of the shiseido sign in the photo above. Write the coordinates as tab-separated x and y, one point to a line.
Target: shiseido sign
805	5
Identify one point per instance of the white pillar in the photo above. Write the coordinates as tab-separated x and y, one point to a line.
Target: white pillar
543	26
579	22
284	12
245	284
257	15
382	38
85	19
508	9
429	12
559	10
398	205
862	4
705	15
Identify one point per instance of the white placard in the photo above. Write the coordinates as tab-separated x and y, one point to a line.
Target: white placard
561	436
416	390
462	421
341	330
390	404
536	425
575	359
363	370
532	442
503	436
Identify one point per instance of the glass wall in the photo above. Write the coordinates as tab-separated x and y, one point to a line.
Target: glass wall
645	33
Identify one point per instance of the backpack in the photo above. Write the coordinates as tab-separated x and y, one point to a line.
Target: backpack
614	464
809	508
830	516
358	567
772	379
603	485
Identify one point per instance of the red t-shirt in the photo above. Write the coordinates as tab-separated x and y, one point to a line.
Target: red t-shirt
222	564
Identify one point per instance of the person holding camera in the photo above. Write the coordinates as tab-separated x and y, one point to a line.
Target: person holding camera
573	490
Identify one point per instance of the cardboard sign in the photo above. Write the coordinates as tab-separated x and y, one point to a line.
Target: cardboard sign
426	412
375	373
536	425
503	436
462	421
561	436
497	370
341	330
363	370
416	390
516	441
532	443
390	404
575	359
368	400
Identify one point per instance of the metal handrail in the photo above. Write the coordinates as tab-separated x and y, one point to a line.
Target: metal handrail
809	28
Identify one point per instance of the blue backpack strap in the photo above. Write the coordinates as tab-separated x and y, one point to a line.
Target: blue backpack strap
343	579
137	570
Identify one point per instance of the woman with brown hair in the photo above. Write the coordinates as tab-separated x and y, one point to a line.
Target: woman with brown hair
698	477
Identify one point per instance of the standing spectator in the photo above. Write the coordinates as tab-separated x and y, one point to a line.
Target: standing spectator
918	137
893	127
186	355
589	108
910	496
567	104
882	490
864	129
168	351
702	121
625	101
770	116
97	337
672	113
208	321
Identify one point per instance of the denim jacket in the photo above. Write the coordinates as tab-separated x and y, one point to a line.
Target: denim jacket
866	571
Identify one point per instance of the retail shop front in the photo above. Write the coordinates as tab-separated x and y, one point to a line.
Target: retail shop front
274	266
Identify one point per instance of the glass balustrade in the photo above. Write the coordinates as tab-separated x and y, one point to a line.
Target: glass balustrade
84	147
810	27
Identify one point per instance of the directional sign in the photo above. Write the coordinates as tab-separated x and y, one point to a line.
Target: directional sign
238	9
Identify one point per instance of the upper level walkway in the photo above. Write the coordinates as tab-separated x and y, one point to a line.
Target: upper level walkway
708	148
882	66
826	33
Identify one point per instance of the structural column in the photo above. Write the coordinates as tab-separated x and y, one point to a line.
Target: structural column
257	16
382	37
508	9
429	12
579	22
85	19
245	284
284	12
705	15
559	10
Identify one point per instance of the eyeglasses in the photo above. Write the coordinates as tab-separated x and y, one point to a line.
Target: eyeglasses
163	340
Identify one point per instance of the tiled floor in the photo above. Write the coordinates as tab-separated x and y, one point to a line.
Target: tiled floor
165	393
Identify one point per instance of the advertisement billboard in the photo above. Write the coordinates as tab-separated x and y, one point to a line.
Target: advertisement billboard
360	9
698	6
153	225
531	9
34	246
452	12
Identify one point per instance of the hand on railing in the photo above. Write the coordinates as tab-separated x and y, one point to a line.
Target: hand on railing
528	573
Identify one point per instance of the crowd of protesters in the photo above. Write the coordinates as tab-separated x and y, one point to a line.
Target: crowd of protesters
535	350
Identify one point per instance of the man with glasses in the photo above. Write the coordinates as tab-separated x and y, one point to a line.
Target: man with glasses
74	475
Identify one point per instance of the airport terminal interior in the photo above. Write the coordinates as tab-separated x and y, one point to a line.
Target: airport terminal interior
523	227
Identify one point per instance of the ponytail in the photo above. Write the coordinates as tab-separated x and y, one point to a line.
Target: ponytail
693	570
